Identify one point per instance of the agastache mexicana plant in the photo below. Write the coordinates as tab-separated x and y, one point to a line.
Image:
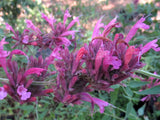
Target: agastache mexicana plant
95	66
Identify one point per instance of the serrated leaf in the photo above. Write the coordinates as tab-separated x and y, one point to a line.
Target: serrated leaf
115	86
44	101
141	110
151	91
113	96
128	109
135	84
27	107
128	91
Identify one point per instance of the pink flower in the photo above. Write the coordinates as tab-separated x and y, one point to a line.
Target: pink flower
17	52
99	58
97	27
50	20
111	60
58	36
152	44
66	15
23	92
93	100
54	55
134	29
25	39
79	56
3	53
37	71
8	27
3	93
33	27
130	54
109	26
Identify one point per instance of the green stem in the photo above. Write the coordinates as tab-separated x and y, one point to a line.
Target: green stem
51	81
33	83
125	112
147	73
3	80
114	116
37	109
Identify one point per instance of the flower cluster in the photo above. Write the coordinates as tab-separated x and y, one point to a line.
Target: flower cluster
95	66
108	62
55	38
20	80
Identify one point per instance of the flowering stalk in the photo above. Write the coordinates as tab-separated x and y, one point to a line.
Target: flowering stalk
50	82
147	73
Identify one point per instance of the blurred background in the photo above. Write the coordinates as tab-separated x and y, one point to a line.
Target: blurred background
15	12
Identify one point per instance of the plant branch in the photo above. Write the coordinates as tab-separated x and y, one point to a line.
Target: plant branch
50	82
33	83
147	73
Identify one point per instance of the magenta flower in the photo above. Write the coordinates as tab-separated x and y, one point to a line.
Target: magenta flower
93	100
32	27
134	29
26	38
59	33
23	92
148	46
3	55
50	20
8	27
3	93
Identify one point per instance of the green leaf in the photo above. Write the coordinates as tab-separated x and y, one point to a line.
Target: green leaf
135	84
128	109
133	112
128	91
151	91
27	107
115	86
141	110
1	31
113	96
